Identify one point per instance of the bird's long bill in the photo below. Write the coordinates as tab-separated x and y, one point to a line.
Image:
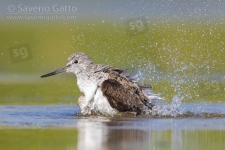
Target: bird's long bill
54	72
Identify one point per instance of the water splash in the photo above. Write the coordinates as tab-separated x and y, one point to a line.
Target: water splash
161	108
191	88
172	109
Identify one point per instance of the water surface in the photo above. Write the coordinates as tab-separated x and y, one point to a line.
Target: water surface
49	125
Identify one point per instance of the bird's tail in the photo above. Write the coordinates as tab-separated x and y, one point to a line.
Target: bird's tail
153	98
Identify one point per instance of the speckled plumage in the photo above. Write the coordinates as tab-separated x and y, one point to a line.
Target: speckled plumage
105	89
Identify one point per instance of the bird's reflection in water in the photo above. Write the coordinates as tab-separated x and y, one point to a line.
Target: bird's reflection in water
106	134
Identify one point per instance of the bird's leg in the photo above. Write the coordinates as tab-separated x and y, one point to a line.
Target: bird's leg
81	101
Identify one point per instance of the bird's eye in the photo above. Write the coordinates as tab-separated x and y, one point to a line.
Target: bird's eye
75	62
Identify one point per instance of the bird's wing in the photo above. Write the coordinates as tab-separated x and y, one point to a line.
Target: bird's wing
121	72
144	86
123	98
107	69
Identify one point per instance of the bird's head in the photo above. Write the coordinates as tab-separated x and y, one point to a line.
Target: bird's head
76	63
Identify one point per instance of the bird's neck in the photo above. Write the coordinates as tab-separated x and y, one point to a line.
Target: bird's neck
85	72
84	80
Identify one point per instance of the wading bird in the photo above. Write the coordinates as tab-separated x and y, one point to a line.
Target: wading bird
105	89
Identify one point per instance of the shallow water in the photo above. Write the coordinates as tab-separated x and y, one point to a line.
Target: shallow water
48	123
181	54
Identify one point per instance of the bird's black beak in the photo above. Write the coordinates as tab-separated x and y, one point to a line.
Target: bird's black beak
55	72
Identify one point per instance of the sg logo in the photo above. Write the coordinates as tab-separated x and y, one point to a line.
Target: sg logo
136	26
79	39
20	53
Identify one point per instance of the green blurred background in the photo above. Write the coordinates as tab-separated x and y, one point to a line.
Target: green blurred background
176	46
181	51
